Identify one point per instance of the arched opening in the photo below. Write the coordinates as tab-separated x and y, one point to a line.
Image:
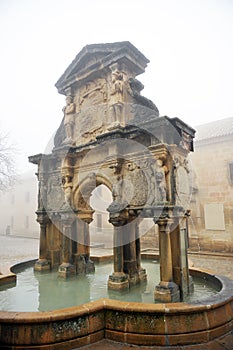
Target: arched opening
101	231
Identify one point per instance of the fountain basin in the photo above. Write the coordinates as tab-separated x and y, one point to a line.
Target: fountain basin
127	322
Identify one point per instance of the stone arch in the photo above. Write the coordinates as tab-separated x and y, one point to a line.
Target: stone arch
101	230
82	191
112	135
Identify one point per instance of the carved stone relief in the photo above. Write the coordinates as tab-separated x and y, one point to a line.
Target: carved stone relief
116	90
67	188
135	186
69	112
55	195
155	172
186	141
182	181
141	113
92	93
160	177
42	194
89	123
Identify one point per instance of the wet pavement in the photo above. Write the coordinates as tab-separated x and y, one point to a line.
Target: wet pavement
18	249
223	343
220	265
15	249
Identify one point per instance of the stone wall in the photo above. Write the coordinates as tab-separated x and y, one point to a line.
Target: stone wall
18	207
211	224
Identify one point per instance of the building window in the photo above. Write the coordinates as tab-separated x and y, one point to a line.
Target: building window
231	172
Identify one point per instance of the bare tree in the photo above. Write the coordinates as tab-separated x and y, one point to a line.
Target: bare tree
7	163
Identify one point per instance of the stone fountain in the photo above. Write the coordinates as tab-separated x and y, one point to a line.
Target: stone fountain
114	136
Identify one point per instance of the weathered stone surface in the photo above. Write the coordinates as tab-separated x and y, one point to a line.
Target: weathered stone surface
111	134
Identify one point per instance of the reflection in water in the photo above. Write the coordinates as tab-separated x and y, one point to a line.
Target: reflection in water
37	291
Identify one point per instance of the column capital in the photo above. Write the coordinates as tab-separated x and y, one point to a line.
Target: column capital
118	218
85	215
164	223
42	217
67	216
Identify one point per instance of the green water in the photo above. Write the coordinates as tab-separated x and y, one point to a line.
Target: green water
46	291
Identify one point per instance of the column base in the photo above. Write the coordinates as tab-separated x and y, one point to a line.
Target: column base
84	264
191	285
90	266
186	288
66	270
142	275
42	265
167	292
54	258
118	281
134	279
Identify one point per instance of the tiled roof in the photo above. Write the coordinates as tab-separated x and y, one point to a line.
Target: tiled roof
218	128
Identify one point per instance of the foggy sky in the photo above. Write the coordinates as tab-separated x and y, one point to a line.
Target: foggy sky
189	44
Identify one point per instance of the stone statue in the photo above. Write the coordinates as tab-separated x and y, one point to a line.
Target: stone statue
116	92
67	187
117	190
69	111
42	194
117	86
118	203
161	171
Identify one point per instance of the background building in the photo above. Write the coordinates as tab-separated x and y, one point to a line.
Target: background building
212	200
211	221
101	231
18	208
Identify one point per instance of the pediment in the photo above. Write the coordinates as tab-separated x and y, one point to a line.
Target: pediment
96	57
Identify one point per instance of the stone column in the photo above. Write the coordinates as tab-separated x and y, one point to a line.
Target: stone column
179	246
130	260
80	236
82	256
141	271
90	267
118	250
119	280
42	263
167	290
67	268
87	242
138	246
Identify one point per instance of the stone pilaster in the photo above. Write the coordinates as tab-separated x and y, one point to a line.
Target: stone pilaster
130	261
42	263
118	280
167	290
67	268
179	246
82	257
141	270
127	261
